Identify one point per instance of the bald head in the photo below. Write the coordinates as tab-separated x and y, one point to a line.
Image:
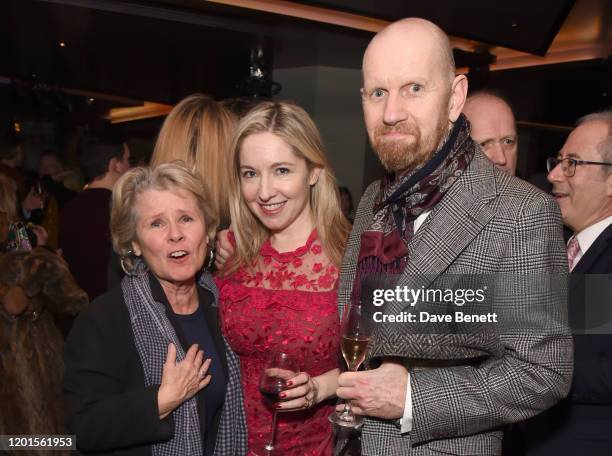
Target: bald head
493	127
482	99
410	93
416	32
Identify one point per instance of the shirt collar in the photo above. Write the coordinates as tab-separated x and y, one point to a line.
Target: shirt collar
587	236
420	220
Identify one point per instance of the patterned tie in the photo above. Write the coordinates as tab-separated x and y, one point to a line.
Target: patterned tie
573	252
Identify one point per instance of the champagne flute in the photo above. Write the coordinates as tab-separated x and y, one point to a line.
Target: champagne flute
356	333
273	380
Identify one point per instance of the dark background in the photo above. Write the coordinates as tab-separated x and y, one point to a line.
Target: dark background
120	53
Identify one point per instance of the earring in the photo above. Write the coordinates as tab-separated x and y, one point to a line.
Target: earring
122	261
211	258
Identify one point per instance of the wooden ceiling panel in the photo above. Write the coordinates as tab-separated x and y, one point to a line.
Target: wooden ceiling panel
162	50
524	25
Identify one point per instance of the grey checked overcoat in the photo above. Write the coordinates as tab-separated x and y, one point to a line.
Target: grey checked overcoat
488	223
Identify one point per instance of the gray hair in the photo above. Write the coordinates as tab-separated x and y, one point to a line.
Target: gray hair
605	146
170	177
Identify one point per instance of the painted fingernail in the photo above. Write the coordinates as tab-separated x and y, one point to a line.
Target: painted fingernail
289	383
282	395
278	406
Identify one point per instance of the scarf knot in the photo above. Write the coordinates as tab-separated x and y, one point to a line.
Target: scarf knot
400	201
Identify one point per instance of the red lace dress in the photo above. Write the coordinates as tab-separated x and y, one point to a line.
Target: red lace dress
284	301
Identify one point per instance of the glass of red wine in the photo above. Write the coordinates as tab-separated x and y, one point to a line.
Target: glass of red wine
273	380
356	333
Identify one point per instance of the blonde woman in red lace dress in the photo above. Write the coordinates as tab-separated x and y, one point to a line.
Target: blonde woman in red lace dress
280	292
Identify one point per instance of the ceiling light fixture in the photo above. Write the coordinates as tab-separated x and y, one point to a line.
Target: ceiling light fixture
131	113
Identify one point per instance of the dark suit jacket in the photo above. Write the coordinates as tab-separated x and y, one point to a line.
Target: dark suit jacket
107	405
582	423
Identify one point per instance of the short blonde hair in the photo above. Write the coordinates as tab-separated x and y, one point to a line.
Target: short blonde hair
198	131
294	126
172	177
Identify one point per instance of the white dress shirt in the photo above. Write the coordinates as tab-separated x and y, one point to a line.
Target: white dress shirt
406	421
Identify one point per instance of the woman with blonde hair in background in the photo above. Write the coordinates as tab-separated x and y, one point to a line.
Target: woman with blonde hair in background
278	291
198	131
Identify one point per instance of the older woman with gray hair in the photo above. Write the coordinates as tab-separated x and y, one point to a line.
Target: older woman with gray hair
148	371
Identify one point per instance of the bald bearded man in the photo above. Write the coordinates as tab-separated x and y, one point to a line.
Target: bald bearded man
445	210
492	125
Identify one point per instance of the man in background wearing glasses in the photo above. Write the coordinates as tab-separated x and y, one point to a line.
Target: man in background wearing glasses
581	175
582	183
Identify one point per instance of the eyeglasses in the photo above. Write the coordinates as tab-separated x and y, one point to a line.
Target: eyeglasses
568	165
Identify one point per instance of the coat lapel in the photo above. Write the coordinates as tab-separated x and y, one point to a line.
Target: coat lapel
451	226
448	230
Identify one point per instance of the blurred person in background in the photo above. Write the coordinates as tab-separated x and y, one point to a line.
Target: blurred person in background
140	155
346	203
8	207
35	286
52	172
48	182
197	131
14	233
493	127
11	157
84	222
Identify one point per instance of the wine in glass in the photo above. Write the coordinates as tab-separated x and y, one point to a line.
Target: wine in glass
356	332
273	380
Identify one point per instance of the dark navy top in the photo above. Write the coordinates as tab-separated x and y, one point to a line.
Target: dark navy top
195	331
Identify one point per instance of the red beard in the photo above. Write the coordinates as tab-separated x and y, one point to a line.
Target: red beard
405	154
397	154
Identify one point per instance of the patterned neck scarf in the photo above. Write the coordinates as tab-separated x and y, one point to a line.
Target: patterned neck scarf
152	334
400	201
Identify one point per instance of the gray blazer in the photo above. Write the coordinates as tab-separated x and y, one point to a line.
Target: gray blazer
488	223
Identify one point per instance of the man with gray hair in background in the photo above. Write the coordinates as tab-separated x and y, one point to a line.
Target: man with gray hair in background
581	175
